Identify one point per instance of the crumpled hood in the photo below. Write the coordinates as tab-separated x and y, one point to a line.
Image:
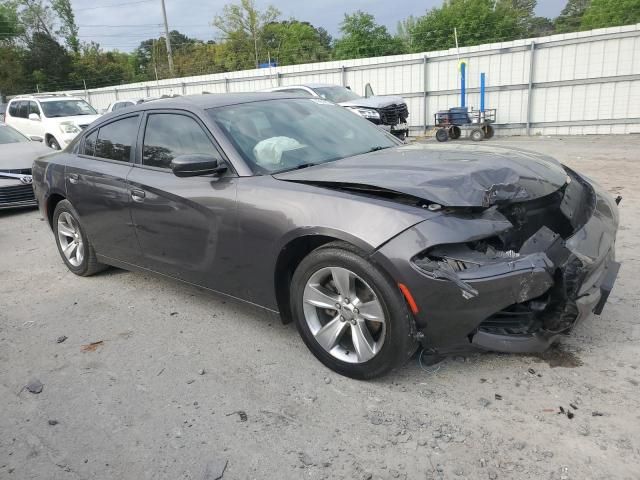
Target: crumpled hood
374	102
452	176
19	156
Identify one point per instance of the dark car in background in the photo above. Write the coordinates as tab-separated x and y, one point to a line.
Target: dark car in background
370	246
17	154
390	112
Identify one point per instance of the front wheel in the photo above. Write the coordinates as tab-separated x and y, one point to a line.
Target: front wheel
74	246
442	135
477	134
53	143
349	314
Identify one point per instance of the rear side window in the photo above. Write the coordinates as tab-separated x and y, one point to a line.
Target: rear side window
168	136
116	139
90	143
13	109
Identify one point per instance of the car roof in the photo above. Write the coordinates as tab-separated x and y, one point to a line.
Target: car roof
211	100
311	85
44	98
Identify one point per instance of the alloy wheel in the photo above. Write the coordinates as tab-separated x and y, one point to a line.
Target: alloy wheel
344	315
70	239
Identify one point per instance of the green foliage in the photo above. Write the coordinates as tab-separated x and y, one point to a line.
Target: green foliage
363	37
291	42
607	13
39	44
476	21
570	18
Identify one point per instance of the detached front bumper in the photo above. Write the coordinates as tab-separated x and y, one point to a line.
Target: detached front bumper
523	301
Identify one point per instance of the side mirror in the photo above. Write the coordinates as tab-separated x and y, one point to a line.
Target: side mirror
36	138
34	116
196	165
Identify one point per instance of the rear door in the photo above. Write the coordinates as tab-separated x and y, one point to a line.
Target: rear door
17	115
97	187
186	226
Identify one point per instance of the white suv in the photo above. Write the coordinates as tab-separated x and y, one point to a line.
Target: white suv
54	119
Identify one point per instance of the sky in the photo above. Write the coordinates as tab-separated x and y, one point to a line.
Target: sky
122	24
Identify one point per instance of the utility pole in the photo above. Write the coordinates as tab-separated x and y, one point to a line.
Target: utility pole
167	39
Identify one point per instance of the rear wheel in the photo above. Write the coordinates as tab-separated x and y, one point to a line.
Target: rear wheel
349	314
442	135
74	246
488	131
477	134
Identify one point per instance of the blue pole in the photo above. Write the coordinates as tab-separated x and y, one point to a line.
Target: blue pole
482	92
463	86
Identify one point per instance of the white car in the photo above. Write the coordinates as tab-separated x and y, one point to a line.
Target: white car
54	119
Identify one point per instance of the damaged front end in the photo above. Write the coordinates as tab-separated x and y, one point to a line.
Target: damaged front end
514	276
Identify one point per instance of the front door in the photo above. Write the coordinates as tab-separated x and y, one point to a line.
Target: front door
97	188
186	226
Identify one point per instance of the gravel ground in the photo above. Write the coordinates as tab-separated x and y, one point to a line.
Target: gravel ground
188	386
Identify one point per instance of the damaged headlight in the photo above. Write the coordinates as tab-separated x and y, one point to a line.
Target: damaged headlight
368	113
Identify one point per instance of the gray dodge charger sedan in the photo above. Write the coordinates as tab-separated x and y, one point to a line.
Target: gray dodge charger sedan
370	246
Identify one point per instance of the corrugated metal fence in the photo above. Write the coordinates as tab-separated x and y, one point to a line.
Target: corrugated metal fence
576	83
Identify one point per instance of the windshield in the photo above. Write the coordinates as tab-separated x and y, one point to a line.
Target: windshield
337	94
66	108
9	135
278	135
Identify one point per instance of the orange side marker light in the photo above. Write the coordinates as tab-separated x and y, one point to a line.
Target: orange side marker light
409	298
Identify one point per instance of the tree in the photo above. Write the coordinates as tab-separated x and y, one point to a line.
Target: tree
243	25
476	21
67	19
151	55
570	17
610	13
404	29
291	41
48	61
363	37
98	68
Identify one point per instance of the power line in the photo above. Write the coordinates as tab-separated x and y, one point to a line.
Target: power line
112	5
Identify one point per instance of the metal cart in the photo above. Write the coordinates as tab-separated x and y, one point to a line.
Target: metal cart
475	124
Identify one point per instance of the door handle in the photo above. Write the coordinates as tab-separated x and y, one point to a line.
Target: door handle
137	195
73	178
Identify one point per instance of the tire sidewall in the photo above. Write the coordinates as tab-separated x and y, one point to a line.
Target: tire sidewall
52	141
65	206
399	343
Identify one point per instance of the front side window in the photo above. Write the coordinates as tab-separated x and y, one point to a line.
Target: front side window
116	139
90	143
66	108
23	110
33	108
277	135
168	136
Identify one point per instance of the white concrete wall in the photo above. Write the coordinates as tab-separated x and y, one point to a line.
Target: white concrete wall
586	82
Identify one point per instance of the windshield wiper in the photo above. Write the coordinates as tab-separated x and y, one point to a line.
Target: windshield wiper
297	167
377	148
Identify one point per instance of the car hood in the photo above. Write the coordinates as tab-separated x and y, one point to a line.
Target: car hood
77	119
19	156
374	102
452	176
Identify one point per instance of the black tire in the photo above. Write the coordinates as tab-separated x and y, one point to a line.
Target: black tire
53	143
488	131
477	134
454	132
89	264
442	135
399	343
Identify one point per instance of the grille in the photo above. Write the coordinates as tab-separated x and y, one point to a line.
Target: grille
23	171
16	193
394	114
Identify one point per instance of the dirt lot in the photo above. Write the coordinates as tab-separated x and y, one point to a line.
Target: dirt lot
139	405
